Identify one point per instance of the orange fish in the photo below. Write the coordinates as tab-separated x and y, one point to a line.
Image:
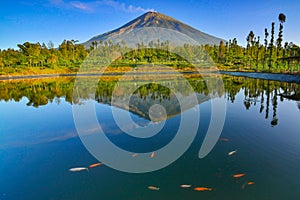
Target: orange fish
250	183
95	165
238	175
202	189
152	154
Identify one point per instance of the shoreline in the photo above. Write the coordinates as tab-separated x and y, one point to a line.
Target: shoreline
95	74
290	78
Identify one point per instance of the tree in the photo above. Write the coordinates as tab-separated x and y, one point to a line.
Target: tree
271	45
73	43
50	45
32	52
250	44
250	39
266	38
281	19
221	53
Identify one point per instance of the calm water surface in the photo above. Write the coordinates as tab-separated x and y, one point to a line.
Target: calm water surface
39	143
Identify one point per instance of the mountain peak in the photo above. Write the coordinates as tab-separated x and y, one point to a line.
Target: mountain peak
157	19
151	19
155	14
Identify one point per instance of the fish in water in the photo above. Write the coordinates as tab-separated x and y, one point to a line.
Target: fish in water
152	154
134	155
202	189
95	165
247	183
153	188
224	139
238	175
78	169
185	186
231	153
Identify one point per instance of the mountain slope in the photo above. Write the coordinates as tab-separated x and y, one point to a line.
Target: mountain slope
151	20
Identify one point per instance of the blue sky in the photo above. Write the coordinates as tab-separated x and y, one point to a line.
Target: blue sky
56	20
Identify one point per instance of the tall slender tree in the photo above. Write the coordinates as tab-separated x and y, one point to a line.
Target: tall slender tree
271	45
266	38
266	47
281	19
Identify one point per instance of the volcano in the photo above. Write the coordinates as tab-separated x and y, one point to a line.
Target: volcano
157	20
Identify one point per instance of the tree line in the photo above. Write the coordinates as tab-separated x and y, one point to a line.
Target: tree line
267	55
68	54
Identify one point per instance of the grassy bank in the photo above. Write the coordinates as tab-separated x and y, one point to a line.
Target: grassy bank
121	68
115	69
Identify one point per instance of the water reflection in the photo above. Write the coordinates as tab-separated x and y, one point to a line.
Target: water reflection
266	93
39	145
262	93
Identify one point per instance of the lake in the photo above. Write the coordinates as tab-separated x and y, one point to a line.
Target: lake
39	142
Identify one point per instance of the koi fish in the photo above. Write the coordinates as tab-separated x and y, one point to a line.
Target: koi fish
153	188
78	169
152	154
224	139
238	175
202	189
231	153
95	165
185	186
247	183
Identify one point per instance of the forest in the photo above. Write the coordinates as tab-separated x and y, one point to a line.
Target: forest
269	54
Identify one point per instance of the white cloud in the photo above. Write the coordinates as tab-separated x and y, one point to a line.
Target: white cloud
82	6
94	5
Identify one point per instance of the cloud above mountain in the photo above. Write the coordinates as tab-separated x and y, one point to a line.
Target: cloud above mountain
93	6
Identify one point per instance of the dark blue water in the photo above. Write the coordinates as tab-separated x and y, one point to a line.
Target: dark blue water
39	145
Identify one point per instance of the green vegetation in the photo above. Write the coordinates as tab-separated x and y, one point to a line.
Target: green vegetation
269	56
34	58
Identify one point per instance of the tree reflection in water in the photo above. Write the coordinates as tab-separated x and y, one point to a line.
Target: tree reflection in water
264	93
